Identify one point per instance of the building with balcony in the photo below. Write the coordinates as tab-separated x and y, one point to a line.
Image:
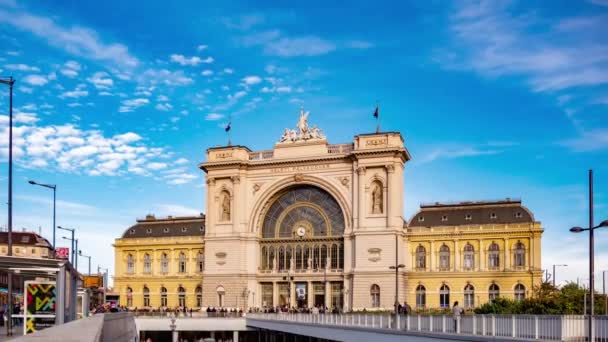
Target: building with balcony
310	223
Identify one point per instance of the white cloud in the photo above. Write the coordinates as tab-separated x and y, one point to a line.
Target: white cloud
207	72
176	210
592	140
181	161
208	60
201	47
156	166
251	80
73	65
69	73
76	40
22	67
182	60
130	105
277	44
78	92
228	71
243	22
164	76
162	98
452	151
284	89
214	117
101	80
35	80
165	107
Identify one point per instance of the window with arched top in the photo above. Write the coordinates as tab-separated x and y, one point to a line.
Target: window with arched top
375	296
469	296
147	263
200	261
299	264
182	263
281	258
199	296
129	297
444	296
420	297
420	257
519	255
334	256
130	264
494	256
493	292
519	292
163	296
181	296
444	258
264	257
146	293
468	257
164	263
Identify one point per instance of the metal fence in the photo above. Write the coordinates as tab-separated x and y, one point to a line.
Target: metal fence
516	327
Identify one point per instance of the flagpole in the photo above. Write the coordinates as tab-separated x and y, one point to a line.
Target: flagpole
229	129
377	117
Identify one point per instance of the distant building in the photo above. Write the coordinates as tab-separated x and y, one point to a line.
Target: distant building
310	223
160	262
26	244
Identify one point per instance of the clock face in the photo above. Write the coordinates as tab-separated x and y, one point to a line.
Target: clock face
301	231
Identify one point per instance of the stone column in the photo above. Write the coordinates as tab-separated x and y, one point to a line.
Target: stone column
309	294
292	293
236	181
275	294
210	214
507	260
456	256
390	170
482	256
361	202
328	294
235	336
432	257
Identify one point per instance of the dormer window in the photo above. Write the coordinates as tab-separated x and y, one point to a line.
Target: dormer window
420	218
184	229
202	229
493	216
149	230
166	230
132	231
468	217
518	214
444	218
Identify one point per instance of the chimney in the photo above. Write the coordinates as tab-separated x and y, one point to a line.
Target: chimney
150	217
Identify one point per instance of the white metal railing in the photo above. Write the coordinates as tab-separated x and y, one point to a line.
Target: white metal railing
516	327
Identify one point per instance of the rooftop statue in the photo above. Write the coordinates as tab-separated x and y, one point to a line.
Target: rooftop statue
303	132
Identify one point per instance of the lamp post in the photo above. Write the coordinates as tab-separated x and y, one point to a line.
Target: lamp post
396	268
10	81
591	252
54	187
103	280
554	266
72	230
74	242
86	256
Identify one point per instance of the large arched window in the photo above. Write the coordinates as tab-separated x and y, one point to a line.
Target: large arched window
264	257
130	264
281	258
444	258
493	292
182	263
420	297
199	296
200	261
334	256
375	296
163	296
129	297
146	296
519	255
147	263
164	263
420	257
181	297
444	296
469	257
520	292
493	256
469	296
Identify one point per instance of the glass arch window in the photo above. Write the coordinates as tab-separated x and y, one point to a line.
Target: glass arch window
493	292
421	257
164	263
182	263
130	264
420	297
199	296
520	292
520	255
146	296
200	261
306	205
129	297
493	256
444	257
469	257
163	296
181	297
469	296
147	263
444	296
375	296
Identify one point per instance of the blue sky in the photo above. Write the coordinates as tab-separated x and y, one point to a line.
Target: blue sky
116	103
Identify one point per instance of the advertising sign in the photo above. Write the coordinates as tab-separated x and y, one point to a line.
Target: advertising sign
40	299
62	252
92	281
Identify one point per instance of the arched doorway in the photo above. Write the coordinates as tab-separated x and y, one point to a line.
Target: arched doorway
302	244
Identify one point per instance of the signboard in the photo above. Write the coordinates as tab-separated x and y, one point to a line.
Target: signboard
62	252
92	281
40	298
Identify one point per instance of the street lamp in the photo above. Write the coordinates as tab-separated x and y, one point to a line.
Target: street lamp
86	256
10	81
396	268
54	187
74	242
72	252
591	252
563	265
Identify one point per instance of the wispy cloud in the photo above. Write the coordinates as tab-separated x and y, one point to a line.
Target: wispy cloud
176	210
591	140
452	151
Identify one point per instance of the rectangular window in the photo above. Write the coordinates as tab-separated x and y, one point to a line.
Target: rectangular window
267	295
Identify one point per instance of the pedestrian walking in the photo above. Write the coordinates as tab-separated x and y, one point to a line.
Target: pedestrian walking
456	311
